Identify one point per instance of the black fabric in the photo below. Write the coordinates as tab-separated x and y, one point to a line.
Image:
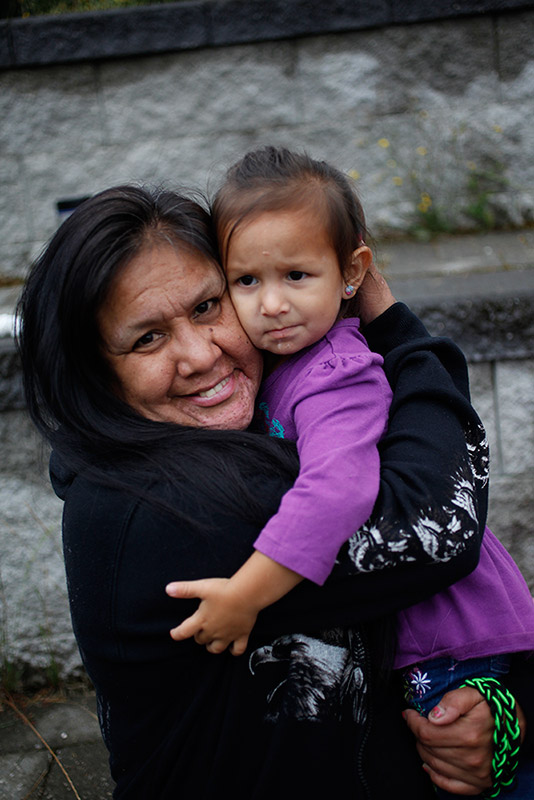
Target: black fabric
303	712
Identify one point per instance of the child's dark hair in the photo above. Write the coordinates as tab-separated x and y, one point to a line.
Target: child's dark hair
274	178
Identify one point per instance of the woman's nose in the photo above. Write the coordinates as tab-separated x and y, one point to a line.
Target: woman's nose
196	353
273	302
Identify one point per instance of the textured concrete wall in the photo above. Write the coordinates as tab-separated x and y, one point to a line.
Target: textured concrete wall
434	118
439	109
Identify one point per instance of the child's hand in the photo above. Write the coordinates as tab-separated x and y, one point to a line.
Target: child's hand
221	619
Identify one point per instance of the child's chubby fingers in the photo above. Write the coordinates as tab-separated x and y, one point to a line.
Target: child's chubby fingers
239	645
191	626
186	589
217	646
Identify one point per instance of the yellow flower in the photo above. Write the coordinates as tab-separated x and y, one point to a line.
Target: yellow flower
497	128
426	202
422	151
354	174
397	180
383	143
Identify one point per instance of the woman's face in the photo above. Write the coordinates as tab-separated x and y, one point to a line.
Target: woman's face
174	342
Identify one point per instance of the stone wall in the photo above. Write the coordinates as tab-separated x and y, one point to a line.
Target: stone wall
435	111
429	110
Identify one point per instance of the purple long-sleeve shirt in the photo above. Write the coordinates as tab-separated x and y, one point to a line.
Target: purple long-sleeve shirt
489	612
333	400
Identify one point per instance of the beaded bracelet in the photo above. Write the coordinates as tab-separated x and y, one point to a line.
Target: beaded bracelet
506	736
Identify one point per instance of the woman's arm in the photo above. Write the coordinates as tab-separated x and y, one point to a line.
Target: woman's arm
434	464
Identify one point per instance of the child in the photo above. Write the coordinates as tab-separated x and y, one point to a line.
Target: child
291	234
288	288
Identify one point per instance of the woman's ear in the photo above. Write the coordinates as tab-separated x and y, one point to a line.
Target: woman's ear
360	261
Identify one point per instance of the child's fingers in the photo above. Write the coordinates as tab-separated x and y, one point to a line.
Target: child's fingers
185	589
189	627
239	645
217	646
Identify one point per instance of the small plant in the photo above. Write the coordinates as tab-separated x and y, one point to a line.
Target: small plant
479	186
438	186
10	676
27	8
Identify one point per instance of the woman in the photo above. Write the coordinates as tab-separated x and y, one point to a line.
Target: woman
138	374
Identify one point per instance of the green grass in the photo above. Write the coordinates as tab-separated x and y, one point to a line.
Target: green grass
32	8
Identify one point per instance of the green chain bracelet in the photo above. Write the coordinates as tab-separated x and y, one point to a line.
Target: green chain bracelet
506	736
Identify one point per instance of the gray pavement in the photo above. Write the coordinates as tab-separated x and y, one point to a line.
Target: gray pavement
69	726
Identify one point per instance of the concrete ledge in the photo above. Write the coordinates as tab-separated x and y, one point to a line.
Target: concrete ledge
477	289
183	26
486	329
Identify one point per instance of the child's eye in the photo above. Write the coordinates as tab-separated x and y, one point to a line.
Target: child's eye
296	275
246	280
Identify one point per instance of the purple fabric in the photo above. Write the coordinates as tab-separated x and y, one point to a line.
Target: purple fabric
488	613
333	399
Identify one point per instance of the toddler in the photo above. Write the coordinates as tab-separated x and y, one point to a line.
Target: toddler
292	242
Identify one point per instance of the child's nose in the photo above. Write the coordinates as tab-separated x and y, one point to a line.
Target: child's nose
273	302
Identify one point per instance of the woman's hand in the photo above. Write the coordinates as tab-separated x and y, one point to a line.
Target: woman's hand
222	618
456	741
374	296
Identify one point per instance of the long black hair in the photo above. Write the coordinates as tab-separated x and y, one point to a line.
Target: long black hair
69	385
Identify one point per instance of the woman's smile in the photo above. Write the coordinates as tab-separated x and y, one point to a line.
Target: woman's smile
218	393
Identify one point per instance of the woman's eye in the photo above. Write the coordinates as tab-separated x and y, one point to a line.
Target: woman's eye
296	275
208	305
146	339
246	280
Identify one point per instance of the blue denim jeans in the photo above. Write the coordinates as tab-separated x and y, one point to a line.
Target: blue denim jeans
427	682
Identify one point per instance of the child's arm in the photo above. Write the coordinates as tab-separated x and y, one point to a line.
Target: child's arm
229	606
338	410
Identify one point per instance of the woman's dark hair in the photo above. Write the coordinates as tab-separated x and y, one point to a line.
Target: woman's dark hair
272	178
68	383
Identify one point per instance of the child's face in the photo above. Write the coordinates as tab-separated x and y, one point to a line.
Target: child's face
284	279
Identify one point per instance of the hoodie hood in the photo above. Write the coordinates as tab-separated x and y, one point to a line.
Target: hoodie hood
61	475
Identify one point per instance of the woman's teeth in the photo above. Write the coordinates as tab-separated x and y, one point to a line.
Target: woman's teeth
215	389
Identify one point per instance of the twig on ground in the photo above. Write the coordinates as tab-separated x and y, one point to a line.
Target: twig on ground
9	701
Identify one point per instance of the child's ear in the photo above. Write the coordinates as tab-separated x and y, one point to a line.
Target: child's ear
360	261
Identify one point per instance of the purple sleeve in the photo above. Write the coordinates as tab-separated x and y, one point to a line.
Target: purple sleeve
340	413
